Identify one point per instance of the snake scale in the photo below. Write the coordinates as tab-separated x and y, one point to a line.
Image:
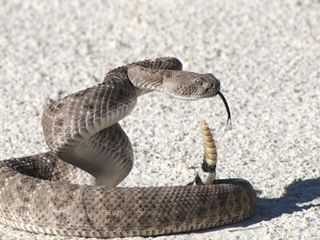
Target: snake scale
70	190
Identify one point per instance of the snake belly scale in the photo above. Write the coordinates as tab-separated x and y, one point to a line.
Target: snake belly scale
70	190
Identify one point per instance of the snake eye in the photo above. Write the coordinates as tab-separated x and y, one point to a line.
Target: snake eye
198	81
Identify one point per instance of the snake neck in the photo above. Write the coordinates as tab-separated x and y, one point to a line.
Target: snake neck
145	79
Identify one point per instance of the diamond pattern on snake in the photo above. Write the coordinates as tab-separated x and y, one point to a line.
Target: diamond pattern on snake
71	189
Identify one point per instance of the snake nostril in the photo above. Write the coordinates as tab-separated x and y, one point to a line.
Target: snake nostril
209	85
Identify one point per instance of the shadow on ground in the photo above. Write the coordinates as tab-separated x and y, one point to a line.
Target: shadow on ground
298	196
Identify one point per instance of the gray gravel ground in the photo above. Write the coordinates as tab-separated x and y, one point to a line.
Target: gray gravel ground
266	54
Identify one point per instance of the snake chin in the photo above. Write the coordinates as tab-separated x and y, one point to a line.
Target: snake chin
189	98
195	96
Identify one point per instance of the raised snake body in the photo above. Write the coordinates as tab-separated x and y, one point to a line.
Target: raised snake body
46	194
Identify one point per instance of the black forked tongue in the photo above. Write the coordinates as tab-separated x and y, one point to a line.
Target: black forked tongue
227	107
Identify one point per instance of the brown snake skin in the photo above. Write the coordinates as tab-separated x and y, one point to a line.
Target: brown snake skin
46	194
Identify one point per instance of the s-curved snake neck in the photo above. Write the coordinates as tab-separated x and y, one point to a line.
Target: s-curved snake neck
70	190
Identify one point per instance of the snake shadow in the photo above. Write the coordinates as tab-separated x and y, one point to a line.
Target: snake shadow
297	197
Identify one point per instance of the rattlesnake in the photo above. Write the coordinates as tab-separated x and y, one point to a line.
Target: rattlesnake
44	194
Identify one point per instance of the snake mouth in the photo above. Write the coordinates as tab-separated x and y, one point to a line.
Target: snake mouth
226	105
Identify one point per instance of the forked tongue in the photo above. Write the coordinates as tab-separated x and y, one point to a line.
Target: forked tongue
227	107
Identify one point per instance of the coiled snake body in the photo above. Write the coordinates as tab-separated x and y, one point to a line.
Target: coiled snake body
46	194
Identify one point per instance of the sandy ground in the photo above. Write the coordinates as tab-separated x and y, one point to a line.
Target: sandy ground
266	54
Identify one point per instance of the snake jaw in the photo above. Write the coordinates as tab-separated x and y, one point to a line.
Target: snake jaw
191	92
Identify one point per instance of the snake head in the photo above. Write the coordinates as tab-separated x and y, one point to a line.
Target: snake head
192	86
189	85
179	84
